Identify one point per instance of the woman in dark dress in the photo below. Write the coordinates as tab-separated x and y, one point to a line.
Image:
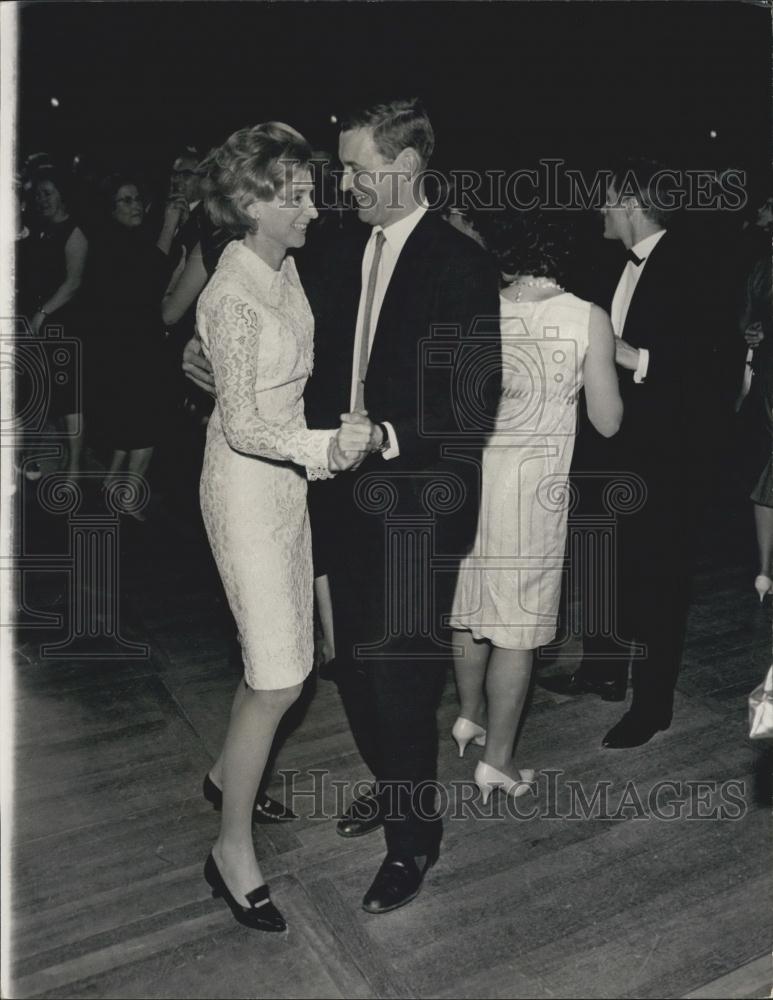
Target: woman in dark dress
53	265
757	325
126	281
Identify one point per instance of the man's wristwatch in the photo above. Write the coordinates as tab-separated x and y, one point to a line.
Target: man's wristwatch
384	446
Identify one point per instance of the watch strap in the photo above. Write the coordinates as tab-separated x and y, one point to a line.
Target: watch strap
384	438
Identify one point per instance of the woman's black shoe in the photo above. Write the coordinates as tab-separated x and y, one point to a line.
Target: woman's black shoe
260	915
267	810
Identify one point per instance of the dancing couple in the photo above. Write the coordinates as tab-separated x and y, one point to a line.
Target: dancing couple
383	421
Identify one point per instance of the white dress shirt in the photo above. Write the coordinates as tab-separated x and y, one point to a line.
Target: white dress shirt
626	286
395	237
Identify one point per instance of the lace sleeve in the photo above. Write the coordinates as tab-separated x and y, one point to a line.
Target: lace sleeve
234	347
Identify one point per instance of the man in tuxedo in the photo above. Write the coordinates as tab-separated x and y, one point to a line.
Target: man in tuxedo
665	353
376	307
380	296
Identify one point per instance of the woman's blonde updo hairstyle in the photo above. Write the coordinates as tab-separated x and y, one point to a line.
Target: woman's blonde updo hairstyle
254	164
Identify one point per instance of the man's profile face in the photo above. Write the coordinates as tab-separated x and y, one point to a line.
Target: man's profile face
185	179
372	180
614	215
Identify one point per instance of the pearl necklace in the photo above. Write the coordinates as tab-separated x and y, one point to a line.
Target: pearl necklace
522	283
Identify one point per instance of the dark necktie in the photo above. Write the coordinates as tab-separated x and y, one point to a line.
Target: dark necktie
630	255
362	361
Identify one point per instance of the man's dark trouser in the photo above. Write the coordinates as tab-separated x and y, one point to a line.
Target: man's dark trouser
652	586
391	698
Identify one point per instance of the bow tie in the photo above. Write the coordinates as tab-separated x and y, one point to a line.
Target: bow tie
630	255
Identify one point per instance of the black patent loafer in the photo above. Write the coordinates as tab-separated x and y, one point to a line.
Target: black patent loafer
260	915
632	731
397	882
267	810
362	817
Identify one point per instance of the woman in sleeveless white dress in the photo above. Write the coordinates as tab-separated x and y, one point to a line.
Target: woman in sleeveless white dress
257	330
508	590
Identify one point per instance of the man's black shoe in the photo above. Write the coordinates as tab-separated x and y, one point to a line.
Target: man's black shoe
580	683
632	731
397	882
363	816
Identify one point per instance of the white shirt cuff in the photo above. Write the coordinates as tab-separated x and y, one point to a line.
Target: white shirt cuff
393	451
641	369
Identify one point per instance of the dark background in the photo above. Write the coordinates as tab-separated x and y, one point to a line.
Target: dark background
504	82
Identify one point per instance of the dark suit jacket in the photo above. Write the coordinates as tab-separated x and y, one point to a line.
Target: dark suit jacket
435	366
669	420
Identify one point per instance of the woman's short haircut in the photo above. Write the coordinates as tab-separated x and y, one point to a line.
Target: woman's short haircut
61	180
112	184
536	241
396	126
254	164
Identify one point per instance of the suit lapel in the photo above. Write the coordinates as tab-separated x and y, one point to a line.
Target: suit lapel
634	331
401	289
336	321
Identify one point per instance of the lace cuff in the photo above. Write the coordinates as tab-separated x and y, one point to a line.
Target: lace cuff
312	474
314	453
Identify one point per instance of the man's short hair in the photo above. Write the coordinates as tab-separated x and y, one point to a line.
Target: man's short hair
651	183
396	126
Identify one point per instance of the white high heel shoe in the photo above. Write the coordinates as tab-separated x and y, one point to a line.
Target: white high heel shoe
763	585
488	778
465	731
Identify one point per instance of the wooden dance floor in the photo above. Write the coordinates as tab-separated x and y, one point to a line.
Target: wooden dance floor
110	830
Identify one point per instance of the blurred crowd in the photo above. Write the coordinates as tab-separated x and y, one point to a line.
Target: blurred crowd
111	269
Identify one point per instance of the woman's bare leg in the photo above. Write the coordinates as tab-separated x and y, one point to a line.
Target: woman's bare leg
116	462
507	685
325	609
139	460
470	672
763	519
216	771
248	742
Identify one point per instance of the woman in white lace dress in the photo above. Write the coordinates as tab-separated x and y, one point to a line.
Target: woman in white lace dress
257	330
507	596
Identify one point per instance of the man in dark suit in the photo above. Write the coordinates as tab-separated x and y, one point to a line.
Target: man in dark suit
407	344
385	295
665	353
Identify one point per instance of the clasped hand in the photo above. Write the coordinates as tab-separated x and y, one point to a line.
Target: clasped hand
356	437
753	334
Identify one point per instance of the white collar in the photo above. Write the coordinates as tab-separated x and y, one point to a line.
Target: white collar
645	247
397	234
267	279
